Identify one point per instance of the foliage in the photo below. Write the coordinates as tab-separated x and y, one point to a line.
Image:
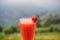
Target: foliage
1	28
2	36
55	28
51	19
38	21
51	28
47	22
15	27
8	31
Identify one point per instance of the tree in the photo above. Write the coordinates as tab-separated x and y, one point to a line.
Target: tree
15	27
48	22
1	28
38	21
56	19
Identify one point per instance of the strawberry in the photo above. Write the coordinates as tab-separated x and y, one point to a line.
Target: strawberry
34	18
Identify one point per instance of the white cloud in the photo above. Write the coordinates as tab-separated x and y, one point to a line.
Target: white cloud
16	1
35	2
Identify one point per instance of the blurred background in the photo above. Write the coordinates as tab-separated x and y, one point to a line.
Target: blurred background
47	11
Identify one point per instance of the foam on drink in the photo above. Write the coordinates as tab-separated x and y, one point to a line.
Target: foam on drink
26	20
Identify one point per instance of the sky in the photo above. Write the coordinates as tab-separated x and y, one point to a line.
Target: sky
34	2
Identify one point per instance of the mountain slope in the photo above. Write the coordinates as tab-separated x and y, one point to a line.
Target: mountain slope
10	14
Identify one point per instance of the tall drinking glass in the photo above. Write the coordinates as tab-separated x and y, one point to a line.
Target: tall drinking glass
27	28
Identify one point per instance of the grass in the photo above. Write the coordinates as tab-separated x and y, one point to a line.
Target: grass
47	36
43	28
43	36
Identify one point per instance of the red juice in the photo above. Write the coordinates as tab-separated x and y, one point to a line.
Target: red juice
27	29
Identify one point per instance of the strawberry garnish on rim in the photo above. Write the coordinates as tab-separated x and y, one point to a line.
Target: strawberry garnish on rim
34	18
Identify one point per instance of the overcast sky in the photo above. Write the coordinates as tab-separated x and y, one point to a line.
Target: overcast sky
34	2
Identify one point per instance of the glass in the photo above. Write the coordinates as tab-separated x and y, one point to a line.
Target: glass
27	28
